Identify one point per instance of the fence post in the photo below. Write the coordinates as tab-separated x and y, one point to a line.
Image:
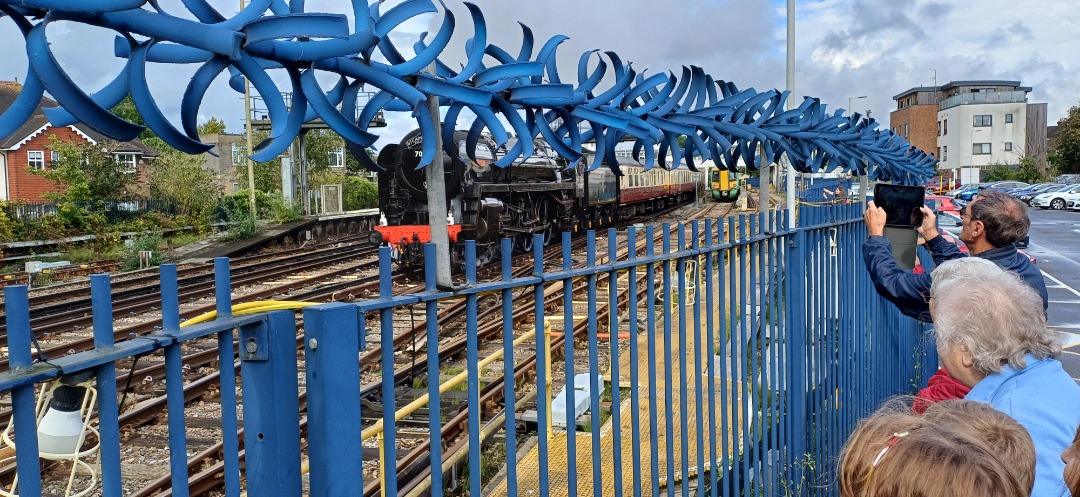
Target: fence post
333	374
268	375
796	349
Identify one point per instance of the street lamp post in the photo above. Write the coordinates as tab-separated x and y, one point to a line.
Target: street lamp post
852	99
864	184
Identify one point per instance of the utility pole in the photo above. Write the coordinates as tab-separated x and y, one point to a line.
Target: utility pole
250	147
436	196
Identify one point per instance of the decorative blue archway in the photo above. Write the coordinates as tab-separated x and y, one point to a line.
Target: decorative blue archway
719	121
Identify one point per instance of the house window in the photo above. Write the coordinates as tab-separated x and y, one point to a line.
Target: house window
1008	146
337	157
983	120
939	128
945	127
35	159
905	130
127	162
939	152
237	154
945	153
1008	118
980	148
55	156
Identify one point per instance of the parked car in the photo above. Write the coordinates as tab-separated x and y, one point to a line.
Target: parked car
939	185
997	185
1026	194
968	187
1072	201
941	203
1054	199
1068	178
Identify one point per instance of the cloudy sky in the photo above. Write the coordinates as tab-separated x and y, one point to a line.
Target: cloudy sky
844	48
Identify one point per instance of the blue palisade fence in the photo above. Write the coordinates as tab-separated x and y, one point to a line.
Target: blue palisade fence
735	361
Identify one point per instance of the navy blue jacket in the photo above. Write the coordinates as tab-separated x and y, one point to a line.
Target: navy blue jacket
910	291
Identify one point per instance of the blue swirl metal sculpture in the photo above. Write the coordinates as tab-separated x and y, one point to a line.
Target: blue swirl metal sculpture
717	120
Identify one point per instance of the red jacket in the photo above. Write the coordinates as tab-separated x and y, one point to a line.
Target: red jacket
940	387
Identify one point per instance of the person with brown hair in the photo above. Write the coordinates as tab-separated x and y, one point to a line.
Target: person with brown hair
896	453
1010	441
1071	458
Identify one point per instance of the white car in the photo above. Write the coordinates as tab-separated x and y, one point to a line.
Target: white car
1055	199
1072	201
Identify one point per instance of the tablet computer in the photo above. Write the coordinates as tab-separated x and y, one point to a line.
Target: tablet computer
902	215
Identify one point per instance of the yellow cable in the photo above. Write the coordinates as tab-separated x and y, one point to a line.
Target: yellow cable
251	308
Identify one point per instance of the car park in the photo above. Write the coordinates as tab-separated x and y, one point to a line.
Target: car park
997	186
957	192
1026	194
1054	199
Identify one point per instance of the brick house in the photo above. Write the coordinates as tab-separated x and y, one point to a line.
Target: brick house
28	147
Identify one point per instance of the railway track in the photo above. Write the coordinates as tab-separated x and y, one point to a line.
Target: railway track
148	410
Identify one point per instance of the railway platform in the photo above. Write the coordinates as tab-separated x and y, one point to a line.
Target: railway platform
294	233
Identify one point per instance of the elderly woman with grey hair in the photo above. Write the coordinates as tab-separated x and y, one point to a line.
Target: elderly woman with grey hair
992	336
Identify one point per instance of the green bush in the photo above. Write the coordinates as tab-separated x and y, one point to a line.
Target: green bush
7	227
239	201
359	193
149	241
282	210
241	224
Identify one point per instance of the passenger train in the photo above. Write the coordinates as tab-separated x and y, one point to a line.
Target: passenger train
542	194
723	185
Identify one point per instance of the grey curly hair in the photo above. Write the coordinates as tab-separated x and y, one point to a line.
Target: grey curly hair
991	313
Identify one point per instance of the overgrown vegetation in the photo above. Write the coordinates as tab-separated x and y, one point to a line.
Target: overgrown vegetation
150	242
1027	171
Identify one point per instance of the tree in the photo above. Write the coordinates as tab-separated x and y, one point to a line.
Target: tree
180	178
126	110
86	173
1067	143
1027	171
213	126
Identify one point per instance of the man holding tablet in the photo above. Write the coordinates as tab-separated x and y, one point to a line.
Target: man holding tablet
992	222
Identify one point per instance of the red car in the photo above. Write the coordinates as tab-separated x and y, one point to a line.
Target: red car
941	203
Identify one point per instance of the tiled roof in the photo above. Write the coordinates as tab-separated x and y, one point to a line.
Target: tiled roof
9	90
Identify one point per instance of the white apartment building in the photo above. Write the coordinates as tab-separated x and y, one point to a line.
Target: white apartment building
978	124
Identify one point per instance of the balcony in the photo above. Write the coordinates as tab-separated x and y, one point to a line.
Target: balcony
990	97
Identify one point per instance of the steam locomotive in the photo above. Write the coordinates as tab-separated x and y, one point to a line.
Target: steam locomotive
542	194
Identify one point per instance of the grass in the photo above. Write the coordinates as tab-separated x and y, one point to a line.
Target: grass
181	239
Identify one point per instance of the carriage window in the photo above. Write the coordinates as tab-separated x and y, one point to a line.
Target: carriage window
716	175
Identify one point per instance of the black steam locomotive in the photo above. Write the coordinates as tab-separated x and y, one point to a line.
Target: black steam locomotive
541	194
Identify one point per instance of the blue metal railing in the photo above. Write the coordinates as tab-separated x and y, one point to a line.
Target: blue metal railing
775	337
